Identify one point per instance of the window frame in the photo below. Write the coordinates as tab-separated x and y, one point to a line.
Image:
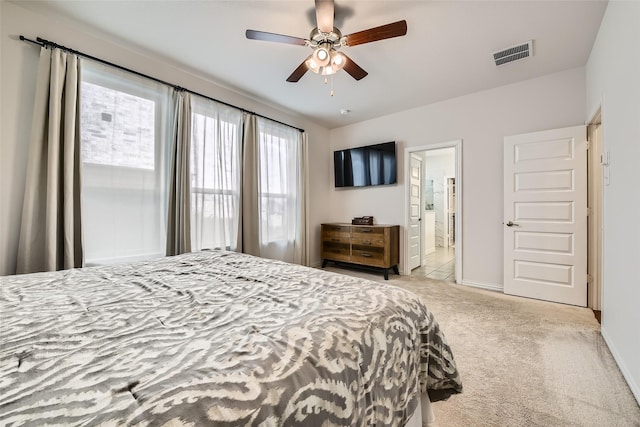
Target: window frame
115	81
100	178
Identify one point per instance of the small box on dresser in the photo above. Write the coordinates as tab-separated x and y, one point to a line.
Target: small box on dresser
371	246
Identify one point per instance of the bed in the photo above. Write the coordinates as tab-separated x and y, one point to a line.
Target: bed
215	338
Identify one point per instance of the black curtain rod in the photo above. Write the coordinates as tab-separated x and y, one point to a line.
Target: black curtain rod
47	43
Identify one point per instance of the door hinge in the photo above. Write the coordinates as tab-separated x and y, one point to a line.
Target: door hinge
589	211
589	279
588	145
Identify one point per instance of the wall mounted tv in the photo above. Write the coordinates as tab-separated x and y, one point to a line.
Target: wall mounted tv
365	166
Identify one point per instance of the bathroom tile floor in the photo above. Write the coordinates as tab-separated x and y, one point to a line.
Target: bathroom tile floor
440	265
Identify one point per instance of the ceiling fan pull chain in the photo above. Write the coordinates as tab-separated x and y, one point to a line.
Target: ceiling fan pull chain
331	93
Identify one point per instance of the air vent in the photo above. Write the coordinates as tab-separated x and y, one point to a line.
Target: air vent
513	53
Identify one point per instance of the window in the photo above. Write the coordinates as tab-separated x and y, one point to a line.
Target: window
124	127
126	131
215	175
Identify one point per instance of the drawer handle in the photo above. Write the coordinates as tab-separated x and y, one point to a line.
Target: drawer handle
368	242
335	240
366	230
364	254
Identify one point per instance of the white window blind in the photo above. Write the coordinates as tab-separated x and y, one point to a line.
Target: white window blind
125	127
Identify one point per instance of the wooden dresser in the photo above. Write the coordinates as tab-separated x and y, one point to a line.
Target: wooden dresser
372	246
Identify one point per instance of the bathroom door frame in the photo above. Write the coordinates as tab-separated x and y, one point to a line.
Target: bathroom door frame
457	145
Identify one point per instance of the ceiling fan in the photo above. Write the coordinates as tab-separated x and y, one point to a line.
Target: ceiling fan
326	40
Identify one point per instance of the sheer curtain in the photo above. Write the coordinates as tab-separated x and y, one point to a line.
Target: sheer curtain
216	135
280	190
126	139
50	232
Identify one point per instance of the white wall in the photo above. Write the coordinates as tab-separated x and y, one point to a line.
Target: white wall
613	82
18	76
481	120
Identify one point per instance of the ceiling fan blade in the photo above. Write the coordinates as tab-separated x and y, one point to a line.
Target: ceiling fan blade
354	69
324	15
272	37
395	29
299	72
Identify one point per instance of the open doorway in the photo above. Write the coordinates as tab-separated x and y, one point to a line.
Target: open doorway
433	206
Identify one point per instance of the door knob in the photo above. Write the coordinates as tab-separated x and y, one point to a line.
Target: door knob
511	224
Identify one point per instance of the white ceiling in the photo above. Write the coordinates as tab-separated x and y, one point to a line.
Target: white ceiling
446	52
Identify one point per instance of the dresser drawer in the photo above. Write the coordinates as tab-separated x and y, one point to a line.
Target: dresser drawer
336	251
367	233
331	228
364	239
336	234
336	237
368	256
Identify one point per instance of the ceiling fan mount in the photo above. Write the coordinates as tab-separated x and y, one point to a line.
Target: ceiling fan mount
326	40
334	38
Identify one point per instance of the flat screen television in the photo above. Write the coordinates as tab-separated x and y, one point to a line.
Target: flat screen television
365	166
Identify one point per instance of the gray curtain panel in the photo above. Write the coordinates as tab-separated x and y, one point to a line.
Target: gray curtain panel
302	252
249	233
51	228
179	208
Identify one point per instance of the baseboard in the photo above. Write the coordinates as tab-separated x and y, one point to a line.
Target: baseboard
488	286
316	264
623	368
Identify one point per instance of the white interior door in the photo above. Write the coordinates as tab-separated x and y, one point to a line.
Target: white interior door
415	208
545	215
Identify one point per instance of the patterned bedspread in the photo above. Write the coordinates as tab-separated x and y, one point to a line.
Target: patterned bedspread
215	338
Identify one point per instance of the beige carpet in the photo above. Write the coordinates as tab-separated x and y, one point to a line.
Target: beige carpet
523	362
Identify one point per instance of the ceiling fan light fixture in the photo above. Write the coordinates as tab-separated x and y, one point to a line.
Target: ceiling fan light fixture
321	55
338	60
328	70
313	65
